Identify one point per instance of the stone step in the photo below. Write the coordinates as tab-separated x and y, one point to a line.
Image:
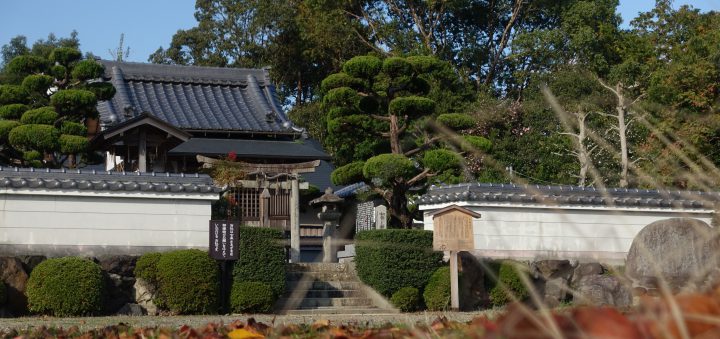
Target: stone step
322	285
303	302
322	276
343	310
334	294
317	267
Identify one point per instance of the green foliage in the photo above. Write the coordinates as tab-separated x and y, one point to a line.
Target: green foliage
73	144
87	69
508	283
73	128
407	299
342	97
440	160
34	137
12	94
363	67
75	102
437	291
188	282
475	143
348	174
38	83
388	167
59	71
65	287
395	66
424	64
251	297
65	55
40	116
32	155
261	245
146	266
102	90
389	260
12	111
413	106
456	121
338	80
5	127
26	64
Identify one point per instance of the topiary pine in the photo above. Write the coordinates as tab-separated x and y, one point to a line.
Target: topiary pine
376	112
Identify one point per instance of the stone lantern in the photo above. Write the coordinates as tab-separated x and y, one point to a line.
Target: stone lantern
329	215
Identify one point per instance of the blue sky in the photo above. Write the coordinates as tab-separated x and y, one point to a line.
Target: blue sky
148	24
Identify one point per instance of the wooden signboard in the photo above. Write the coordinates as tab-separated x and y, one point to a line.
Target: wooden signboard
224	240
452	229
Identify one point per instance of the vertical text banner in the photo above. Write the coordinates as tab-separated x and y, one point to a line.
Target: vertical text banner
224	240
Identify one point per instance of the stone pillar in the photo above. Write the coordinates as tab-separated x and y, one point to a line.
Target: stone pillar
294	220
142	151
265	208
329	254
454	290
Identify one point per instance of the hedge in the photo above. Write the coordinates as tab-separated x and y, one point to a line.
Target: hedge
407	299
506	282
251	297
188	282
64	287
261	256
146	267
437	291
389	260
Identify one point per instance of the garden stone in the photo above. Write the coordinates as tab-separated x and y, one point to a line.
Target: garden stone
120	292
471	282
552	278
15	278
132	310
30	261
144	295
681	252
598	290
123	265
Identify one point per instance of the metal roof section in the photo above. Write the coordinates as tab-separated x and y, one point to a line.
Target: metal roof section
568	196
13	178
195	99
250	148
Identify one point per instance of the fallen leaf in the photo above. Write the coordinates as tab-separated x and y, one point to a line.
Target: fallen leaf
242	333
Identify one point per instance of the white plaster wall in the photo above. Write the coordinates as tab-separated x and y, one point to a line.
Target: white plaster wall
523	232
87	221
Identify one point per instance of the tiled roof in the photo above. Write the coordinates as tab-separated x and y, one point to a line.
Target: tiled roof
252	149
46	179
195	98
568	196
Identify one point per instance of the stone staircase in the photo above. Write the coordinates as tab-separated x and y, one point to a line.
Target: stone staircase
328	288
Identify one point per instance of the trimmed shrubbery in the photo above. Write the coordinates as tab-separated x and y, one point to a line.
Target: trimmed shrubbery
437	291
407	299
187	282
67	286
251	297
146	267
261	256
508	282
389	260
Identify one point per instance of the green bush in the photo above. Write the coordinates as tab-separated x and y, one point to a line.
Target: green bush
32	155
5	127
3	293
387	167
507	284
64	287
102	90
146	267
456	121
407	299
251	297
72	144
396	66
58	71
476	143
341	97
65	55
389	260
12	94
261	258
363	67
188	282
437	291
12	111
73	128
424	64
348	174
34	137
412	106
339	80
26	64
87	69
38	83
75	102
439	160
41	116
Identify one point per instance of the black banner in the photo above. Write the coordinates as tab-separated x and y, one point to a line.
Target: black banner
224	240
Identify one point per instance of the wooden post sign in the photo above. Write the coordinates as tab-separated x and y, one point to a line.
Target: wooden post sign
452	231
224	240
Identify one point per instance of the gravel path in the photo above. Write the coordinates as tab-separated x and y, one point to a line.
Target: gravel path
86	323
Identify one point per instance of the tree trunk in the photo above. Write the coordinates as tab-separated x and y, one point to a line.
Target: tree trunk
622	131
394	135
400	216
583	154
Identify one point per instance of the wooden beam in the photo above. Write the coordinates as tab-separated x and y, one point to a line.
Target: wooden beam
274	185
295	168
